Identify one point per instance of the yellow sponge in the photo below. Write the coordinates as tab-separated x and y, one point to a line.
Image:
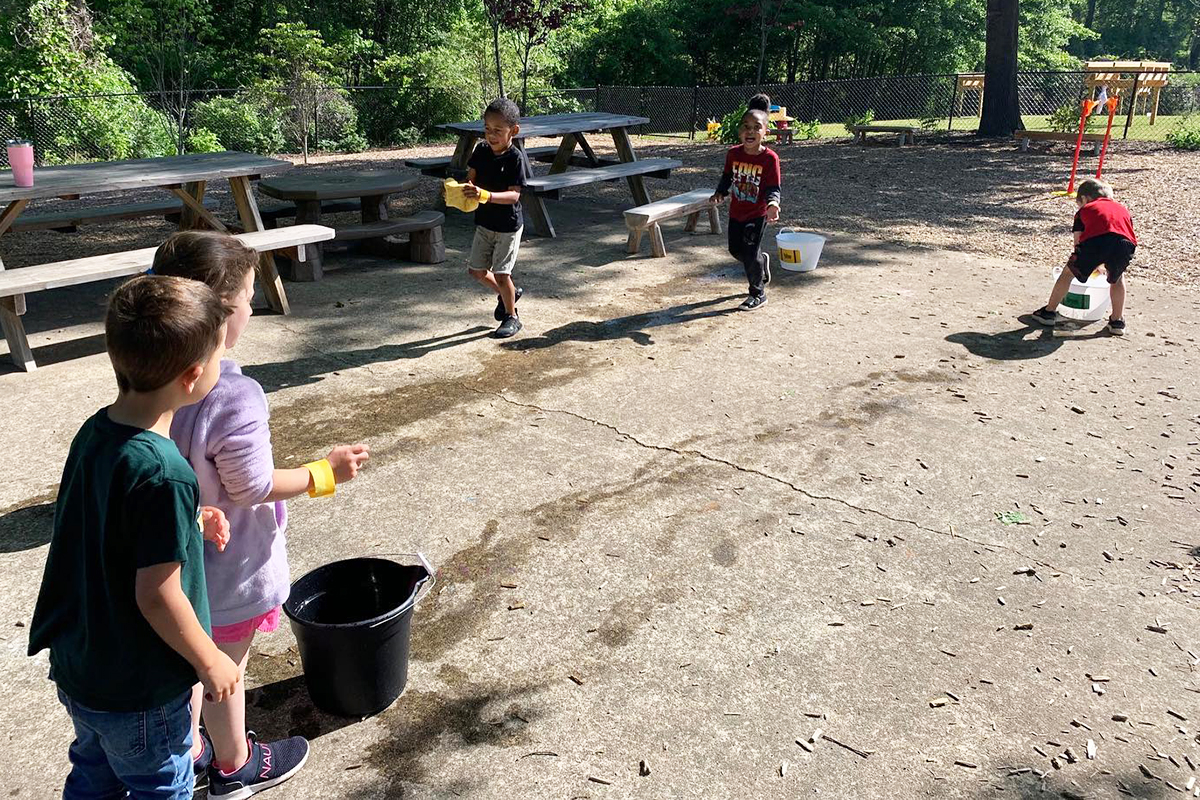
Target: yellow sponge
456	199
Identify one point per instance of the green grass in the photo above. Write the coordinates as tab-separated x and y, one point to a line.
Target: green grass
1141	130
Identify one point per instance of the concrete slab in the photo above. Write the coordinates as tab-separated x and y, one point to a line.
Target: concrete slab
725	530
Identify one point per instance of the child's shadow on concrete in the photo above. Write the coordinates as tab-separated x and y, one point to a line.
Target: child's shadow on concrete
1018	344
631	327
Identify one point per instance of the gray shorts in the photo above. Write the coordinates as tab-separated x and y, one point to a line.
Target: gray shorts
495	251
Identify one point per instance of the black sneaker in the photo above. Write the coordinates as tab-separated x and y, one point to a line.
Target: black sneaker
1116	327
269	765
1045	317
751	303
501	312
508	328
201	762
766	267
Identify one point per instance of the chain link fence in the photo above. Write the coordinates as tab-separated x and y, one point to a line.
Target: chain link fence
266	119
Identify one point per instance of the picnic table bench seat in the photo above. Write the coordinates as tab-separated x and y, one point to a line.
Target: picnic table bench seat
425	242
271	213
551	185
645	218
16	283
55	275
69	221
439	166
908	132
1025	137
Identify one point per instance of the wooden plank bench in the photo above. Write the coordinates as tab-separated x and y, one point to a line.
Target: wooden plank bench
549	186
646	218
69	221
1025	137
439	166
908	132
425	243
783	135
18	282
271	213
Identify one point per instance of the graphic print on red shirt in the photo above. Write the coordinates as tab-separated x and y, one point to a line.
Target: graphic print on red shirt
755	178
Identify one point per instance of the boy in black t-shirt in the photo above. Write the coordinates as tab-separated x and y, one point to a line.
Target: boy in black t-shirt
496	173
123	606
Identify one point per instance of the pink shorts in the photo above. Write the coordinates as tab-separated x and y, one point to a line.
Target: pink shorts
239	631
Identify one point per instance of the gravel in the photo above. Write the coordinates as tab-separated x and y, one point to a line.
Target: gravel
954	193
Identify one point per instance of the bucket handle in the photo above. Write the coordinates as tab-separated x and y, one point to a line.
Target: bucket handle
782	231
424	586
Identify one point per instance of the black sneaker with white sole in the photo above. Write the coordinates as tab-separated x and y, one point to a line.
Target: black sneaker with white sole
269	765
508	328
1045	317
1116	327
201	763
501	312
752	303
766	267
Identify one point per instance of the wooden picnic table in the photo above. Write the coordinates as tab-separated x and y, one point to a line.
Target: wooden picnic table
183	176
571	130
309	188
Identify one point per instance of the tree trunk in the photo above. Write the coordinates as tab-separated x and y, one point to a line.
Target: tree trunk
496	51
1194	53
1001	112
525	78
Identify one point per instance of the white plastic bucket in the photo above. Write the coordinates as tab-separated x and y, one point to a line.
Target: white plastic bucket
799	251
1088	301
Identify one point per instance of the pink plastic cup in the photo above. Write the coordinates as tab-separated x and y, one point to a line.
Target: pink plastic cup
20	158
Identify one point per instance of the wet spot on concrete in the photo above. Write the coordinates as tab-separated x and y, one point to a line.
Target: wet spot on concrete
725	553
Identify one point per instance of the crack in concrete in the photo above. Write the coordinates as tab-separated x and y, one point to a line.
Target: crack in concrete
773	478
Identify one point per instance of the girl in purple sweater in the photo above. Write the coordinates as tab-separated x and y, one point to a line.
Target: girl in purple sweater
227	441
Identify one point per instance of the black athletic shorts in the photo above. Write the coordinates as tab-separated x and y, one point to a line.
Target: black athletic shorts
1112	250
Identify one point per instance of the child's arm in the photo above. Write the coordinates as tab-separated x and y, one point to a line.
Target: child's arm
509	198
346	461
723	185
162	602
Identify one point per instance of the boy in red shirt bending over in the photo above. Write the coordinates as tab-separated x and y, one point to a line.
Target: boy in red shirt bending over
1103	236
752	175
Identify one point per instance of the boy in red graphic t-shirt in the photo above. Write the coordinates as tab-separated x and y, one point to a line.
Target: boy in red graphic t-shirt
1103	236
751	178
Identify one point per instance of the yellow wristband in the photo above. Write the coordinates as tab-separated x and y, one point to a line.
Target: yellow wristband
324	484
484	195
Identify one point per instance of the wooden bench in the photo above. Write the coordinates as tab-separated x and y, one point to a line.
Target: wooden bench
549	186
69	221
646	218
271	213
1025	137
783	135
425	243
908	132
439	166
18	282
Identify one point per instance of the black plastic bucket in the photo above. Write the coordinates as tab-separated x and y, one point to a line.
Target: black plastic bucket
352	620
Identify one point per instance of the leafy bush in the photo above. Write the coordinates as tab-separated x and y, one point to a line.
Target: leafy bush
554	104
866	118
400	117
245	122
337	123
1065	118
727	129
202	140
1186	135
808	130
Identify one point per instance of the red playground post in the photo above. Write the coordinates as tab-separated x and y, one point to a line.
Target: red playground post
1088	105
1113	102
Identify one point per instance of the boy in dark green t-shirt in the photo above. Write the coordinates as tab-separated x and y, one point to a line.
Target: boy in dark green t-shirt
123	607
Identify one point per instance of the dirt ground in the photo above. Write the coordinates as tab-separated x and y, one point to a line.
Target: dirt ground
886	506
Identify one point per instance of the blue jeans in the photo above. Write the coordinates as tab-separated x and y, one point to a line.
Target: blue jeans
131	754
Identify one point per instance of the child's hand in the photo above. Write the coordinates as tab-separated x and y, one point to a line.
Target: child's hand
772	213
347	460
220	679
717	199
470	190
216	527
